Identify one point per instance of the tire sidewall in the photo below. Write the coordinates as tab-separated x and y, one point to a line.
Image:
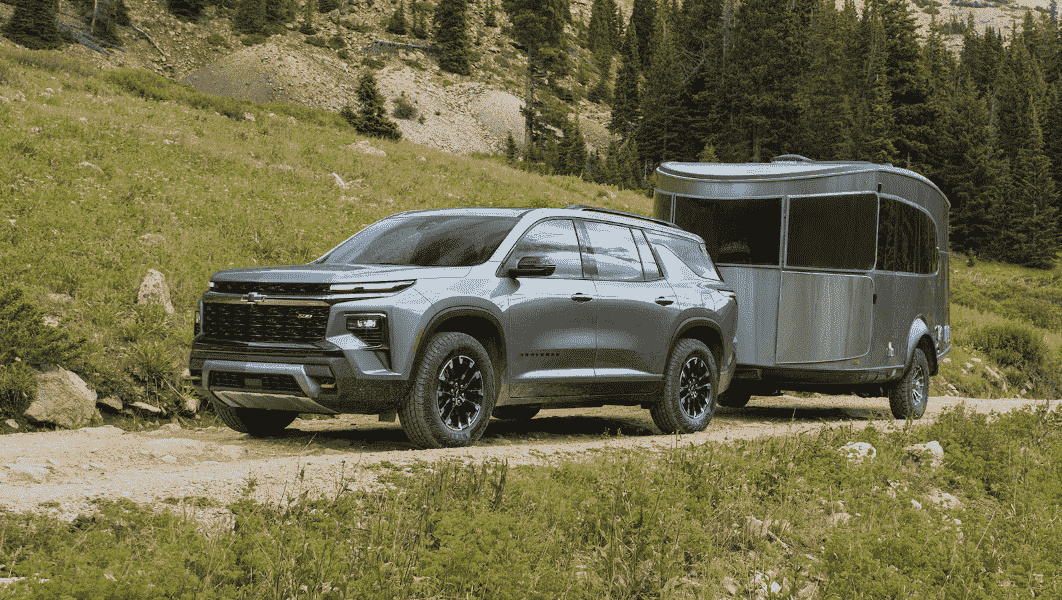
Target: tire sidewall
420	413
668	413
902	397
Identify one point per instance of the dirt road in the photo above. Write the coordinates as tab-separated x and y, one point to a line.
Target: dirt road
62	472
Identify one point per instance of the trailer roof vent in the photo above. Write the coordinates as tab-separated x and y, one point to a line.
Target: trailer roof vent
791	158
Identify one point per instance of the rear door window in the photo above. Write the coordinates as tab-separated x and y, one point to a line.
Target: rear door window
614	252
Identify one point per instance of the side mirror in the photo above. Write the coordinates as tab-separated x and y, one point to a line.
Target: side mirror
533	266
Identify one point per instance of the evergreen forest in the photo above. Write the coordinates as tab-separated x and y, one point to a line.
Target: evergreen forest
719	80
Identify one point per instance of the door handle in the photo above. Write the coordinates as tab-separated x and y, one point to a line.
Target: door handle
664	301
581	297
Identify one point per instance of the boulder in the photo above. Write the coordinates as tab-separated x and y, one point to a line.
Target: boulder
857	451
62	399
153	290
111	402
148	409
930	452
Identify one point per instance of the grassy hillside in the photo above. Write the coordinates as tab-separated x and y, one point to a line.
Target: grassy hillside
111	173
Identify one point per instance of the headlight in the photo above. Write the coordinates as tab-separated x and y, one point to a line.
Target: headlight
373	286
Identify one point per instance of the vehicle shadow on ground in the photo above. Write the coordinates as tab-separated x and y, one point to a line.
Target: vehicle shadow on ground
562	426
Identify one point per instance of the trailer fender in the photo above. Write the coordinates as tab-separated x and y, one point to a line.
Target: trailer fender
917	332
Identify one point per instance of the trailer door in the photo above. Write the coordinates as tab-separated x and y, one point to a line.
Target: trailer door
825	298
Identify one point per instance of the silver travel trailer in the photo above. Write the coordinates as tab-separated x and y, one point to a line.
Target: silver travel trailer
841	271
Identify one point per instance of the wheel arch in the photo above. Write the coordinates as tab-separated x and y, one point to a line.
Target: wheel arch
473	321
919	336
706	331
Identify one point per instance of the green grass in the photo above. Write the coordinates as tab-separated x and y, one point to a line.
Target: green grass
689	522
108	157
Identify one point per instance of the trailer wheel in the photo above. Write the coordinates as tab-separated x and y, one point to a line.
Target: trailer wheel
909	397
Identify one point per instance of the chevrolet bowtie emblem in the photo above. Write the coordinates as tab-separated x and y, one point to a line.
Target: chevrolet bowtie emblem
253	298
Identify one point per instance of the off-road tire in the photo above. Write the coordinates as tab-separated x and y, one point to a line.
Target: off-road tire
254	421
690	384
453	393
736	396
909	397
515	413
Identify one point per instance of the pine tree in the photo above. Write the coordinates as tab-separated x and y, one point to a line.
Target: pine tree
573	149
511	150
626	99
450	25
250	17
643	20
420	23
309	9
262	17
659	131
34	25
601	31
397	23
371	118
758	91
913	118
973	175
1029	233
538	26
822	93
491	18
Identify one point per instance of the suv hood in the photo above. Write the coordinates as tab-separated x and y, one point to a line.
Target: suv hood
336	273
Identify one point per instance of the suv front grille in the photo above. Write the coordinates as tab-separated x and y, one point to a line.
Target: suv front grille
263	381
264	323
272	289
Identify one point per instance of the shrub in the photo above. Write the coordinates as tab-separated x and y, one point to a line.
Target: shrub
215	39
307	29
1011	344
327	6
336	42
403	109
343	54
26	340
318	41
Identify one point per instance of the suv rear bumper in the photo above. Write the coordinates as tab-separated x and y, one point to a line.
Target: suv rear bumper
300	380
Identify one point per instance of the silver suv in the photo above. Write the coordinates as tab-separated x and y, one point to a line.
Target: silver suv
447	317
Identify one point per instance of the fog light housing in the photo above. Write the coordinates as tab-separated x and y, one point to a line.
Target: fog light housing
369	328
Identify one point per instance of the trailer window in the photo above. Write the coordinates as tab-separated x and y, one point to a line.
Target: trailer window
832	232
744	232
906	239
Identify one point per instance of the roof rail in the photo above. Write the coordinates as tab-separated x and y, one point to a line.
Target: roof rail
621	213
791	158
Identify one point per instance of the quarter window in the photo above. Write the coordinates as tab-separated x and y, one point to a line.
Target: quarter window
556	241
695	255
614	252
906	239
832	232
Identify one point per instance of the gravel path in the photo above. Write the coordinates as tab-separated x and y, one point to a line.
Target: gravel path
61	472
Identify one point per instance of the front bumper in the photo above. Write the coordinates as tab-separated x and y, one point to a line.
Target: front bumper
302	379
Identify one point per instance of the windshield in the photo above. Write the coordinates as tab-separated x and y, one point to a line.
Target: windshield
425	240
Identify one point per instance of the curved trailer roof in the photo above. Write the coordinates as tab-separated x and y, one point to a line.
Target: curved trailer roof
789	167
